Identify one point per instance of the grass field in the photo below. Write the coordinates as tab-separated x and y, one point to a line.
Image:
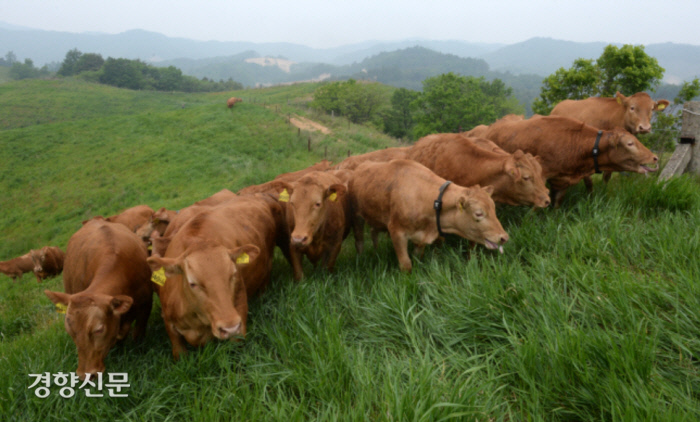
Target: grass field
591	313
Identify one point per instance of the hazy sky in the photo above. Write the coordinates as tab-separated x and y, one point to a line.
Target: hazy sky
330	23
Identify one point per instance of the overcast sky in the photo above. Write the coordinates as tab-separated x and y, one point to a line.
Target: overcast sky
331	23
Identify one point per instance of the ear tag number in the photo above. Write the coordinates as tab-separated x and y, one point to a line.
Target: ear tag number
284	196
158	277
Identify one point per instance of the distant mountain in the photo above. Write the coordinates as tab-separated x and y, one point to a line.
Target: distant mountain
537	56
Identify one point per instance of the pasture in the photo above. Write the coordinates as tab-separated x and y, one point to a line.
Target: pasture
592	313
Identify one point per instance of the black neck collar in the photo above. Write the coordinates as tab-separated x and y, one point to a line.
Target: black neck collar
437	205
596	151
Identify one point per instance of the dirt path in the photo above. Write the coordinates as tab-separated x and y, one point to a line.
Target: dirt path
305	124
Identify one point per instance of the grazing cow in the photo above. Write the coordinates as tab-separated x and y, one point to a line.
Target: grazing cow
48	262
322	165
232	101
399	196
380	155
16	267
631	113
516	178
213	264
133	217
107	287
568	149
317	215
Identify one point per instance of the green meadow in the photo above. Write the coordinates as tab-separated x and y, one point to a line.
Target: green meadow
592	312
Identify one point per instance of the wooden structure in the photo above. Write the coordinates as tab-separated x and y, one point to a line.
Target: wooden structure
686	158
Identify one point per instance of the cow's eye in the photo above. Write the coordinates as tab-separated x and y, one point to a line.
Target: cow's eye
193	285
99	330
479	215
526	177
632	108
317	205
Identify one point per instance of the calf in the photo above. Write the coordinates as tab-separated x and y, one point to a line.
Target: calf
631	113
48	262
213	264
399	196
316	215
571	150
516	178
107	287
16	267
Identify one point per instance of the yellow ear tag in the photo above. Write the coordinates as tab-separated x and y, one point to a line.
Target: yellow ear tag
619	100
284	196
461	207
333	197
661	106
61	308
243	259
150	247
158	277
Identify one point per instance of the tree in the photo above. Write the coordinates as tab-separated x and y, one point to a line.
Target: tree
628	70
89	62
689	90
68	67
122	73
398	121
26	70
450	103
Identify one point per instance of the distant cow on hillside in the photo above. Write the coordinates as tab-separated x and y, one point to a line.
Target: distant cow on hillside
232	101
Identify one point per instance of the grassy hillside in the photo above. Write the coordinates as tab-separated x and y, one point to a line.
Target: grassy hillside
591	313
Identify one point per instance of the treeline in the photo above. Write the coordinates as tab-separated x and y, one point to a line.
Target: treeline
121	73
447	103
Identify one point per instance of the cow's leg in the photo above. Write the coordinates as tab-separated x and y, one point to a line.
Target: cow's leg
296	257
606	176
333	254
358	231
142	321
177	341
400	241
589	184
375	237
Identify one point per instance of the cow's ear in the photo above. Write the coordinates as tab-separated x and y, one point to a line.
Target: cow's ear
620	98
488	189
172	266
511	169
121	304
661	105
58	298
244	255
333	191
283	189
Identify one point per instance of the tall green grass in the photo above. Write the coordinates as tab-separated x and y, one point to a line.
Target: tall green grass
591	313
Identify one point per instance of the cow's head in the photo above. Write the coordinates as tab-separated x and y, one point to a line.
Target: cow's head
209	276
38	258
93	322
638	110
626	153
309	200
527	185
474	216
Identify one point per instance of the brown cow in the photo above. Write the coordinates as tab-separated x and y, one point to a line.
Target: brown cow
232	101
133	217
631	113
322	165
380	155
566	149
158	222
516	178
16	267
399	197
317	214
107	287
215	262
48	262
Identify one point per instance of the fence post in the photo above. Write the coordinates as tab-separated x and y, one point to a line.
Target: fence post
686	157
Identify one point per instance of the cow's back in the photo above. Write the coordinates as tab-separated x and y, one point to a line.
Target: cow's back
603	113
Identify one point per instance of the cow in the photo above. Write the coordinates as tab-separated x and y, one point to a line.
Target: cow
631	113
232	101
213	264
107	287
480	130
322	165
16	267
221	196
516	178
159	221
380	155
571	150
133	217
318	216
48	262
412	203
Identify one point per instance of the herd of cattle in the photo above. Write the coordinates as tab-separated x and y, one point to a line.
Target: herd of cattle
204	261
